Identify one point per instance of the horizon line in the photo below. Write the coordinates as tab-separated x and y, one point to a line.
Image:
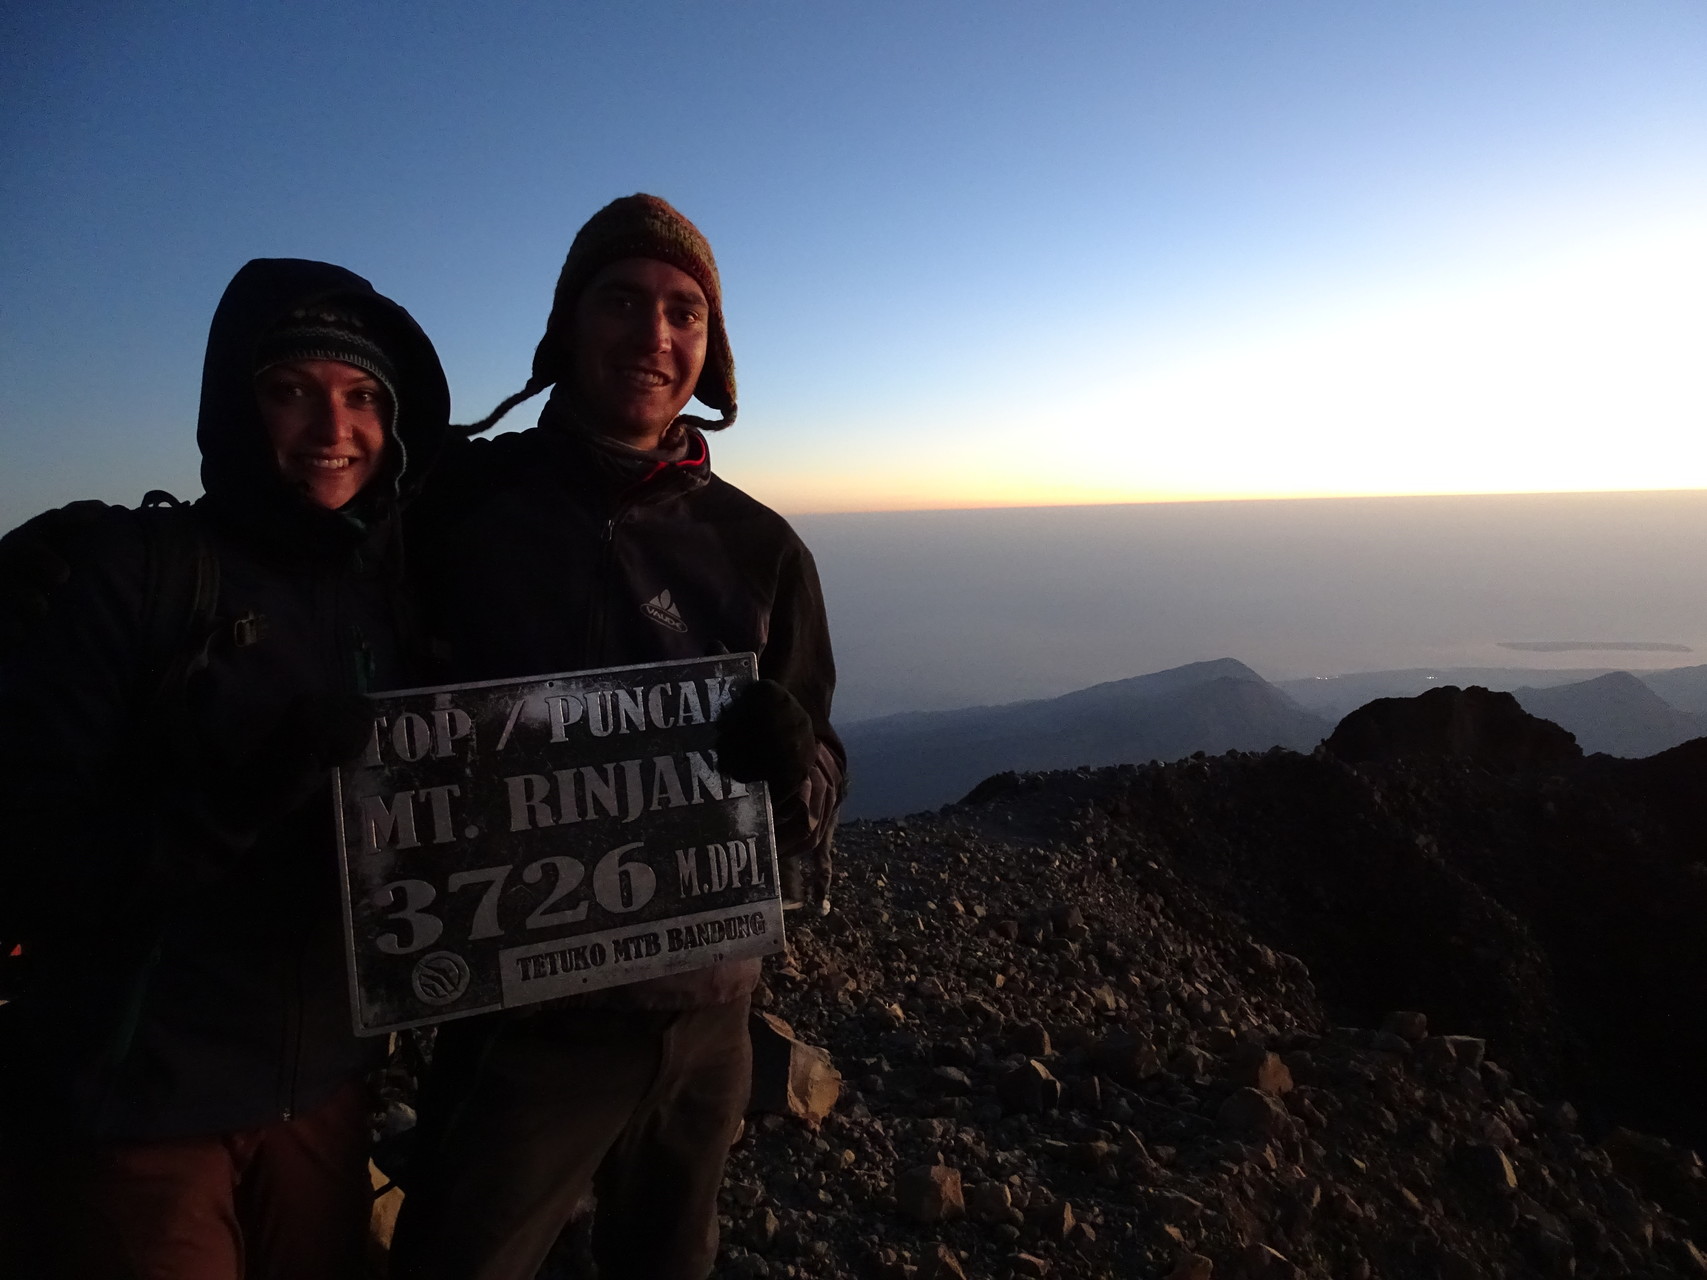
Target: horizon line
1211	499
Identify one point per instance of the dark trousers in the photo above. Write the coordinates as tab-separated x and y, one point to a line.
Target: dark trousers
638	1106
282	1201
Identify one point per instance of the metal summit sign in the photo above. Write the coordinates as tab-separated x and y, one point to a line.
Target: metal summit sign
513	841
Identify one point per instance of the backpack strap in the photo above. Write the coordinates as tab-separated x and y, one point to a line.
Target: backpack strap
180	599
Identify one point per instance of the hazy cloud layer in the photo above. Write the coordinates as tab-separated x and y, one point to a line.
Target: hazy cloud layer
958	608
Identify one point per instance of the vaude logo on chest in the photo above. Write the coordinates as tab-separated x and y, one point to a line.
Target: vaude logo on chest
662	610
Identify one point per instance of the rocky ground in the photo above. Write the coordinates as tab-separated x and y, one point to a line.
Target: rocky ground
1423	1003
1076	1039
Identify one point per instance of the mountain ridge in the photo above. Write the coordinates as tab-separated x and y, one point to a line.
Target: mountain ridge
915	760
921	760
1616	714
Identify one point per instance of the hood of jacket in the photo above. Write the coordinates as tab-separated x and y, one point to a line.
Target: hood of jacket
239	470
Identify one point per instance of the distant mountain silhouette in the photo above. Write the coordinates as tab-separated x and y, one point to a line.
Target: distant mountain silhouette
1338	696
1684	687
1617	714
922	760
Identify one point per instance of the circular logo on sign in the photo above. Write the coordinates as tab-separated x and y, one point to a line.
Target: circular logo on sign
440	977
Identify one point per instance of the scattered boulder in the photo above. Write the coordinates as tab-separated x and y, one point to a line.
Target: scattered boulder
1258	1068
1052	1219
989	1201
1253	1113
1028	1087
1127	1057
1406	1024
790	1077
930	1193
941	1263
1487	1166
387	1202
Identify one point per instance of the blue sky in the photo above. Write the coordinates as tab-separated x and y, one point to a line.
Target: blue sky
1000	253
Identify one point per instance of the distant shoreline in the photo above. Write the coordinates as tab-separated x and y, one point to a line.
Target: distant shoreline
1605	646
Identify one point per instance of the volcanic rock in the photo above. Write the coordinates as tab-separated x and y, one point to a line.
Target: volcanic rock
1252	1112
1487	1165
930	1193
1028	1087
989	1201
1406	1024
1258	1068
1475	724
790	1077
941	1263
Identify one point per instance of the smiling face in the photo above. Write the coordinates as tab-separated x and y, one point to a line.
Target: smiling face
326	421
638	345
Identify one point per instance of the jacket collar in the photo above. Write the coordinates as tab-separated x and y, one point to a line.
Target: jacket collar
628	475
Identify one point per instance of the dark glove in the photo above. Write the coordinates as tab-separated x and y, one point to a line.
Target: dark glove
765	735
316	734
35	561
332	728
231	804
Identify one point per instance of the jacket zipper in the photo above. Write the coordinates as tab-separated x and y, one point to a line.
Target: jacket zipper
599	605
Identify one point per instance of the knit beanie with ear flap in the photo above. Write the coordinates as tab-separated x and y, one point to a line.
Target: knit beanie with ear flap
637	226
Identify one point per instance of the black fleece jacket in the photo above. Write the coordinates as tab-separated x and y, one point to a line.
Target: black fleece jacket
186	967
533	555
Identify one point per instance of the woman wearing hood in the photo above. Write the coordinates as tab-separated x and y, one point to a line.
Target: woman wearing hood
186	1086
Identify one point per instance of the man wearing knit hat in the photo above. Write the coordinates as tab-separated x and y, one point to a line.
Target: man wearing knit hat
602	538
